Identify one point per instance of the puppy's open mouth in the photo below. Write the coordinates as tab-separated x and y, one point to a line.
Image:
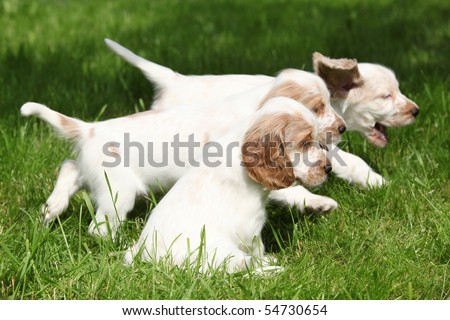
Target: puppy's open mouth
379	135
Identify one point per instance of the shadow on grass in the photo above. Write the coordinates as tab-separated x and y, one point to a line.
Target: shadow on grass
242	37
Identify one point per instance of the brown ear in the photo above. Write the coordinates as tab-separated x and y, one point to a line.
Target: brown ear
289	89
264	153
308	96
340	75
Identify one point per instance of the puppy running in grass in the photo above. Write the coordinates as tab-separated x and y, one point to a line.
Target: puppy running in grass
213	216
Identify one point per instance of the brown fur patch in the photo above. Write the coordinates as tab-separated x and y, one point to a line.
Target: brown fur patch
308	96
114	150
205	139
70	126
266	146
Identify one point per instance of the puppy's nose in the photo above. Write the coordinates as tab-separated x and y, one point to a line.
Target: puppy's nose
328	169
342	129
415	112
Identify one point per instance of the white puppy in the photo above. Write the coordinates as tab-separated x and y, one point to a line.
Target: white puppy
214	215
365	95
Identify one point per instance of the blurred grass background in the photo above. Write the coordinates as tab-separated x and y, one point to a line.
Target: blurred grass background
389	243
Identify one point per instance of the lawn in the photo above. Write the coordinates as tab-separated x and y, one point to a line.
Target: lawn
386	243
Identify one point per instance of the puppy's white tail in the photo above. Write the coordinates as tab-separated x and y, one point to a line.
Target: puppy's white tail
70	128
156	73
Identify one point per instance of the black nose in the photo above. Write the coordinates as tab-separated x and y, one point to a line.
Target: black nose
415	112
342	129
328	169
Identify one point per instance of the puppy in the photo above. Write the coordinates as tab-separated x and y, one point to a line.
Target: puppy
365	95
213	216
206	123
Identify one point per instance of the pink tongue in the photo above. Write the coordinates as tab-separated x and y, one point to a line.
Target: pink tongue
381	132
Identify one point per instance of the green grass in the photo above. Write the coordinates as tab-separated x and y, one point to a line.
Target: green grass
387	243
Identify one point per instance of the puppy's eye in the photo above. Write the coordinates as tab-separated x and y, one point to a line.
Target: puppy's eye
307	144
317	109
323	146
387	96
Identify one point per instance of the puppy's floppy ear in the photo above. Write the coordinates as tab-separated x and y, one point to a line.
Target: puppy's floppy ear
309	96
340	75
264	153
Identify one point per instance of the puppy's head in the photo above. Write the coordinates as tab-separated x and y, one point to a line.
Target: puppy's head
310	91
366	95
281	146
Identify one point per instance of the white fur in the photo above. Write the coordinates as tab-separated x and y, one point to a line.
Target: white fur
214	216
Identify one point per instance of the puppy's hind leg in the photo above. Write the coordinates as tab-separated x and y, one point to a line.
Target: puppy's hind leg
261	263
113	205
67	184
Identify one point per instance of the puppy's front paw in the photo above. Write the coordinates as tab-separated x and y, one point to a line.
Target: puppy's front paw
320	204
53	208
374	180
102	228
